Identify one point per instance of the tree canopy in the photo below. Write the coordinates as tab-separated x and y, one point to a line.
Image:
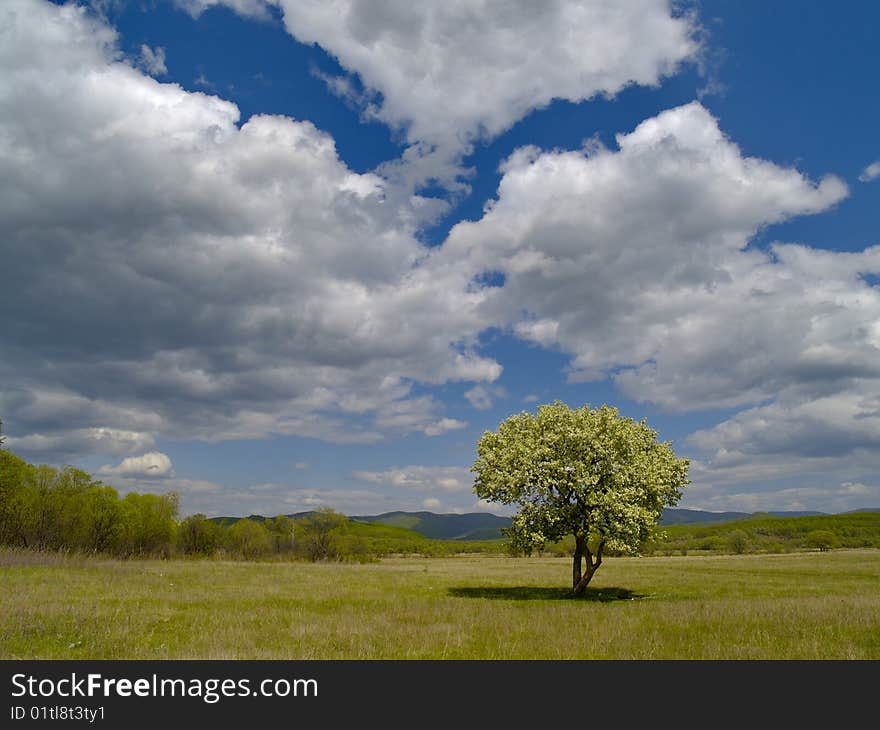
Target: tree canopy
590	473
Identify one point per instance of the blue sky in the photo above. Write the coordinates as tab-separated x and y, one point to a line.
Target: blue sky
274	255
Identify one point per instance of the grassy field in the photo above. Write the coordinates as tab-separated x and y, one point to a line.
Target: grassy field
806	605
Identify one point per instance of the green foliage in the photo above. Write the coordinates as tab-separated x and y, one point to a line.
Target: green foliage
282	534
45	508
14	474
97	518
822	540
198	536
319	538
738	540
586	472
767	534
248	539
148	524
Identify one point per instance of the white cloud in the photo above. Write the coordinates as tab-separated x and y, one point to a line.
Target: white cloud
449	73
824	497
815	440
482	397
265	288
834	425
423	478
154	465
95	440
634	261
456	67
208	280
431	503
438	428
871	172
485	505
152	60
248	8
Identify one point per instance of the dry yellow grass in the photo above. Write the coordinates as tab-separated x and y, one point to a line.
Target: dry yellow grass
795	606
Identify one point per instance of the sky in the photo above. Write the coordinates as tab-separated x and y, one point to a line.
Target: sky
276	255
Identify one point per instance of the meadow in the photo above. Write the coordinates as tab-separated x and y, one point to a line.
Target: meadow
804	605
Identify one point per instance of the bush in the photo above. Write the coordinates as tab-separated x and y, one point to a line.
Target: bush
715	544
738	540
319	534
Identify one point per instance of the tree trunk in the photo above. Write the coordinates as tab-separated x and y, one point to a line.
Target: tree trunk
592	565
579	547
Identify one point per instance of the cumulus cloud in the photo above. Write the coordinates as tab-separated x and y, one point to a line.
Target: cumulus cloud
826	496
416	414
249	8
812	439
871	172
63	442
834	426
152	60
449	73
169	269
501	510
636	262
422	478
482	397
153	464
438	428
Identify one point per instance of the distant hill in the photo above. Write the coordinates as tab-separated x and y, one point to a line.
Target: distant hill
469	526
676	516
681	516
473	526
465	527
485	526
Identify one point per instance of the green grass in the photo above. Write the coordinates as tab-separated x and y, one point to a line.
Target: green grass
806	605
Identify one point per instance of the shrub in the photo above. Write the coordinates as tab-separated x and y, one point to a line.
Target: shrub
320	534
738	540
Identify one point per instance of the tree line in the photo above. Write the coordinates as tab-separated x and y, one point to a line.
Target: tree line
46	508
769	534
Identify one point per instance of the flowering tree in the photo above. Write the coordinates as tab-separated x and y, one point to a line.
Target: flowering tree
585	472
